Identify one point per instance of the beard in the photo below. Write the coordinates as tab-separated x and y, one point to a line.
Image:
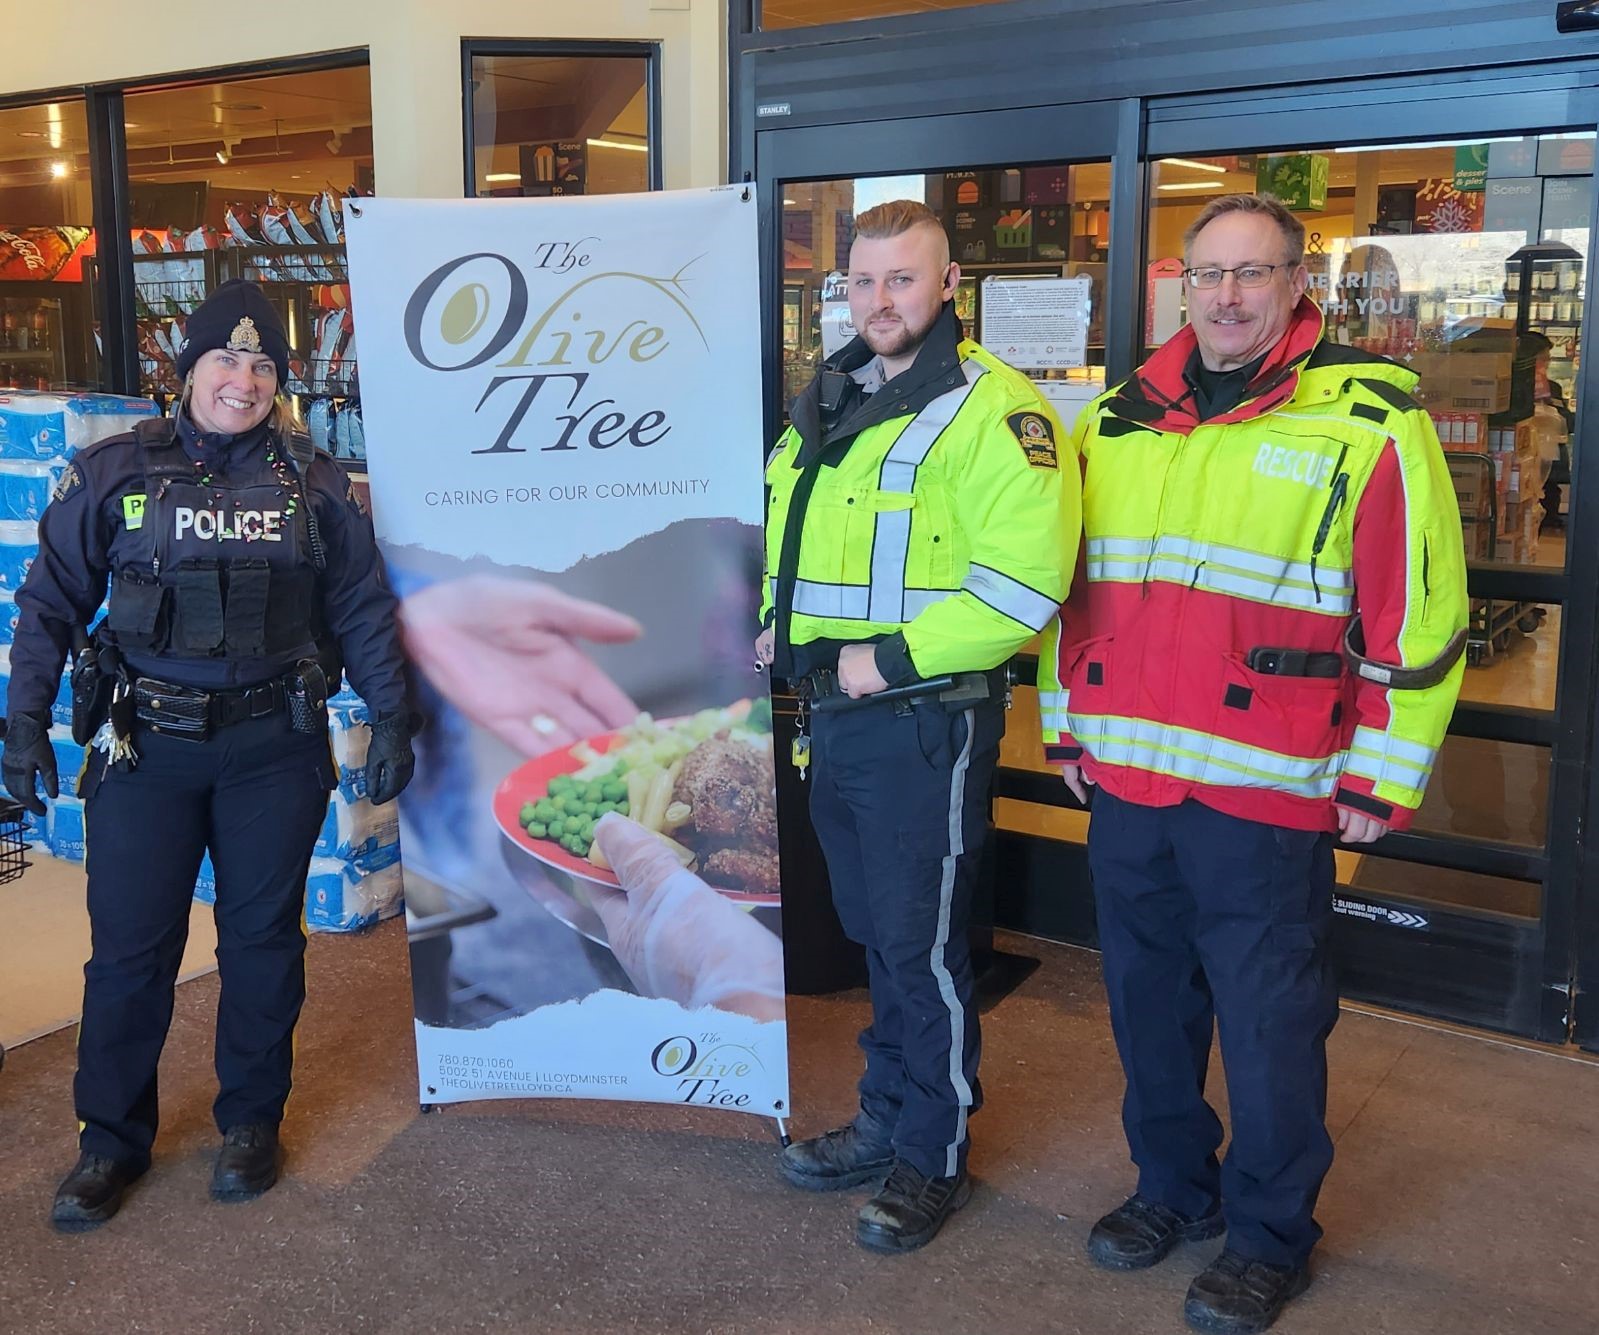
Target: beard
904	339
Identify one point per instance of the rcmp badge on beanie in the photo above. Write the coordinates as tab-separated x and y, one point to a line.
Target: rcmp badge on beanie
238	316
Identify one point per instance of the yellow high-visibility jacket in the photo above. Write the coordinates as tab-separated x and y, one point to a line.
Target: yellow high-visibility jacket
944	529
1322	495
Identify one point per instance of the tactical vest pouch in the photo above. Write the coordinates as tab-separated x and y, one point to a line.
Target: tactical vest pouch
197	590
245	621
134	613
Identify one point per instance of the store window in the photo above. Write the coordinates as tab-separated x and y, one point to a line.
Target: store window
247	178
562	124
48	338
1465	261
1046	228
773	14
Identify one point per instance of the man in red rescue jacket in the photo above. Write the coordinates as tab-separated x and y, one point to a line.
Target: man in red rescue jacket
1262	648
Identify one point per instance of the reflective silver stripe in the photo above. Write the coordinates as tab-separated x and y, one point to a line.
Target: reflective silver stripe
918	601
1333	601
1055	719
915	442
1010	596
1384	758
946	984
841	602
891	534
1274	568
1321	420
1201	757
891	543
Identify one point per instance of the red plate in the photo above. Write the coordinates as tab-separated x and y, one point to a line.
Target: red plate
531	781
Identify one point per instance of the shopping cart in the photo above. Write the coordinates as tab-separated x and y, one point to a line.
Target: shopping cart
13	854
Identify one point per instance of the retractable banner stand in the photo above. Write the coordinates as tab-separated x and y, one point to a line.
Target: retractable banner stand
562	404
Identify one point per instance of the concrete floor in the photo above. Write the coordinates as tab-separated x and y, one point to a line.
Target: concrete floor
1464	1201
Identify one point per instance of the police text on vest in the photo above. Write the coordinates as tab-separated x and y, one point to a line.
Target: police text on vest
230	525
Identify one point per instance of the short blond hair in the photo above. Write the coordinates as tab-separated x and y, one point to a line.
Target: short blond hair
894	217
1292	229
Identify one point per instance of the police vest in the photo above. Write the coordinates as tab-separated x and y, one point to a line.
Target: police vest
955	525
222	569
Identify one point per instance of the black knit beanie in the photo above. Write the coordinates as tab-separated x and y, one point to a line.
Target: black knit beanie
238	316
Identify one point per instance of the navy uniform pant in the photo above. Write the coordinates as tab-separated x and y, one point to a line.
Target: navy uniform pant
900	807
255	794
1206	920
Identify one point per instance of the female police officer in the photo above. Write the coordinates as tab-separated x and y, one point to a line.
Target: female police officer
232	551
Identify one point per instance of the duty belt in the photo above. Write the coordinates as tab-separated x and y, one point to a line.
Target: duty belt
185	711
953	691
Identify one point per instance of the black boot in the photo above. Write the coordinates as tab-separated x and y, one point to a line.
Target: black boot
910	1209
1140	1233
91	1193
247	1164
1237	1296
845	1157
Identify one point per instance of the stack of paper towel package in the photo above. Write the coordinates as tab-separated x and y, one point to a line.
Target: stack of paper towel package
355	873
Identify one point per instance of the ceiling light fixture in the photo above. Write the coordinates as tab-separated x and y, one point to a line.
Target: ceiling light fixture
503	176
1189	162
1194	185
222	157
59	169
614	143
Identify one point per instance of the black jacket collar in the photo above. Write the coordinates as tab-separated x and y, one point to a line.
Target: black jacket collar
936	370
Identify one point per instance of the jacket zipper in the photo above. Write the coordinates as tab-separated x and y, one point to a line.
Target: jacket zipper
1335	502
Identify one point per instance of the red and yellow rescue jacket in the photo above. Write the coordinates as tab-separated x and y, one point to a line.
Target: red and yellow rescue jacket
1323	494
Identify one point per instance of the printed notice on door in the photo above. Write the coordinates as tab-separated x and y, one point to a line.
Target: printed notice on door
1036	323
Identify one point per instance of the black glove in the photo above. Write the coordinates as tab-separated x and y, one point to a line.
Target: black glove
390	762
30	757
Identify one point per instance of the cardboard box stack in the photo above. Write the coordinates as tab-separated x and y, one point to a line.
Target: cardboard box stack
39	434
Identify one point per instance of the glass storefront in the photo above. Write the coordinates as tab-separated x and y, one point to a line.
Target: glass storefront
1463	260
48	338
1047	227
566	124
248	179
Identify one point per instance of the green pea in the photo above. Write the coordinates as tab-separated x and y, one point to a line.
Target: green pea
606	808
594	792
561	783
544	810
527	812
573	824
619	770
537	830
558	803
624	807
581	847
613	791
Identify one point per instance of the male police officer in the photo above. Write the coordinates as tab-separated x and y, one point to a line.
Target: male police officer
1260	506
921	523
234	556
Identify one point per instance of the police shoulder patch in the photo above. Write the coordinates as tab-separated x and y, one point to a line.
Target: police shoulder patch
70	478
1034	435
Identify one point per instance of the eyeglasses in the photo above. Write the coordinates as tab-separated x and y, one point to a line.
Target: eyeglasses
1247	275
